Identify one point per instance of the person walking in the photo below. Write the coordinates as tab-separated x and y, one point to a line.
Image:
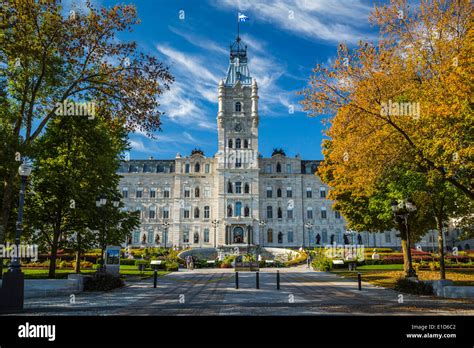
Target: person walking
308	260
188	262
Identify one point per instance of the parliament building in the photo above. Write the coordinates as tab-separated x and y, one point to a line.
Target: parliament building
236	197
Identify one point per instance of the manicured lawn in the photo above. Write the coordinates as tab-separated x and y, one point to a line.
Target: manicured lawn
387	278
127	271
381	267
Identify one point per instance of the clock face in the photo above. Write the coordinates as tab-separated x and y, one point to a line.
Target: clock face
238	127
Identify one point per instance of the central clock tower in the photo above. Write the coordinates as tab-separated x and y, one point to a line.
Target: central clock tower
237	117
237	156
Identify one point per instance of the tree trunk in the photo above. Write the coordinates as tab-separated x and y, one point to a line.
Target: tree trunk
442	268
54	256
78	262
406	266
407	263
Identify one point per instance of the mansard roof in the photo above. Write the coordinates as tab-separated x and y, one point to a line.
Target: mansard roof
147	166
310	166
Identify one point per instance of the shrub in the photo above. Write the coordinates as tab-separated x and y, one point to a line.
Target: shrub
434	266
86	265
416	266
102	282
127	262
321	262
64	264
171	266
301	258
413	287
142	262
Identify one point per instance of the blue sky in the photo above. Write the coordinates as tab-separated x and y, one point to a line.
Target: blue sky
285	39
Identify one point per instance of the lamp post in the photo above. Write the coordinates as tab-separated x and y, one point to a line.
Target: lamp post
99	203
262	224
402	211
214	223
249	226
166	224
309	226
24	171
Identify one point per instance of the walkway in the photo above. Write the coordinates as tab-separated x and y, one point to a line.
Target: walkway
212	292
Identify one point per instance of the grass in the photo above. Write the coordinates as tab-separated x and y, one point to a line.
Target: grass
394	267
387	278
125	271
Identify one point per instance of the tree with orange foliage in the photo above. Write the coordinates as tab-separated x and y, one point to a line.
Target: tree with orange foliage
405	100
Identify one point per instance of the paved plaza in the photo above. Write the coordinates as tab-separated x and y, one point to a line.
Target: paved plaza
212	292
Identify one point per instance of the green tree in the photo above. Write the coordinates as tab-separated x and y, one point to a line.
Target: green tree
47	58
112	225
75	161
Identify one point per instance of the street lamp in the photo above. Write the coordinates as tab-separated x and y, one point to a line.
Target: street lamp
402	211
166	224
309	226
262	224
214	223
24	170
249	226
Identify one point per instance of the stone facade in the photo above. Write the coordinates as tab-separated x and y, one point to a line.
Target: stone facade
236	196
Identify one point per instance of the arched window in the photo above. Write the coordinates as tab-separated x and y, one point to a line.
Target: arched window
196	213
238	107
269	212
270	235
280	237
229	211
246	144
230	144
196	192
238	209
278	167
246	188
279	192
280	213
197	167
237	143
246	211
229	187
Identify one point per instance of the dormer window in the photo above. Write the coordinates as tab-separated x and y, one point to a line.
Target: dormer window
238	106
197	167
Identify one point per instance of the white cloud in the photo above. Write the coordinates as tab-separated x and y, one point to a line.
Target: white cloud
335	20
192	64
181	109
200	41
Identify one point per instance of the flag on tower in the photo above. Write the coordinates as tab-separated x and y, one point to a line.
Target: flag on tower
243	18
